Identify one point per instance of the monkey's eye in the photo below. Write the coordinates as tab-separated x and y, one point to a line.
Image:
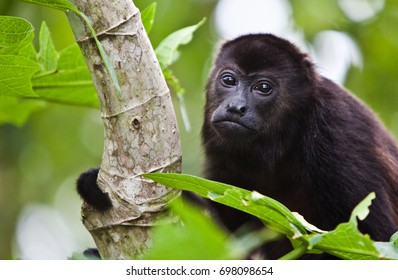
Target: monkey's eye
228	80
263	88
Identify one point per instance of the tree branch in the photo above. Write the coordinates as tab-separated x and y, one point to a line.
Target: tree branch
141	133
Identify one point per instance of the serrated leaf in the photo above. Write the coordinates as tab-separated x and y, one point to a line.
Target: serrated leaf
15	76
361	211
62	5
148	17
47	56
16	111
346	242
167	51
71	83
14	30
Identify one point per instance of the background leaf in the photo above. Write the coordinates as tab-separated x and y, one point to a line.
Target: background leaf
148	17
15	76
47	56
14	30
71	83
167	51
16	111
308	12
185	235
62	5
16	37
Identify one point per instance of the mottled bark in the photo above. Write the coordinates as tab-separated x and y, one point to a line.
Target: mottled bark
141	133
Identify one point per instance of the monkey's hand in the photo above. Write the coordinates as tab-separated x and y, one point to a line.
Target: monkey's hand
89	191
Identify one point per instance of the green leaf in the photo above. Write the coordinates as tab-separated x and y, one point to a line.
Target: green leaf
296	253
272	213
16	111
14	30
108	66
62	5
15	76
260	199
167	238
394	238
387	250
25	50
309	227
66	6
361	211
197	231
347	242
16	36
167	51
71	83
47	56
148	16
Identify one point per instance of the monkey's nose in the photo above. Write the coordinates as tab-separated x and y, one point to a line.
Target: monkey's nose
239	109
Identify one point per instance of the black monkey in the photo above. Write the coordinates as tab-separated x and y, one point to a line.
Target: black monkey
274	125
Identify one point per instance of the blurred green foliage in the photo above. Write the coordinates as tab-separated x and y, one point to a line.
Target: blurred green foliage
345	241
59	142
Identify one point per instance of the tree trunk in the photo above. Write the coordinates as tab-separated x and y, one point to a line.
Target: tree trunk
141	133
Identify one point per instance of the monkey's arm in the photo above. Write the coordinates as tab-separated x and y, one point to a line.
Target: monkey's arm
89	191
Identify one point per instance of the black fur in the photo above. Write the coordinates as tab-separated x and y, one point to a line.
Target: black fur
309	144
92	254
90	192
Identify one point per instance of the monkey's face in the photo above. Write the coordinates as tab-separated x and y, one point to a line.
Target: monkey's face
243	100
259	87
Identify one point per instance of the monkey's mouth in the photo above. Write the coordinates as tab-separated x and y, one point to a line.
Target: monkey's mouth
232	129
231	123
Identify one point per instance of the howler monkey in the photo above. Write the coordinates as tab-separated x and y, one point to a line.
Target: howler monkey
273	124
